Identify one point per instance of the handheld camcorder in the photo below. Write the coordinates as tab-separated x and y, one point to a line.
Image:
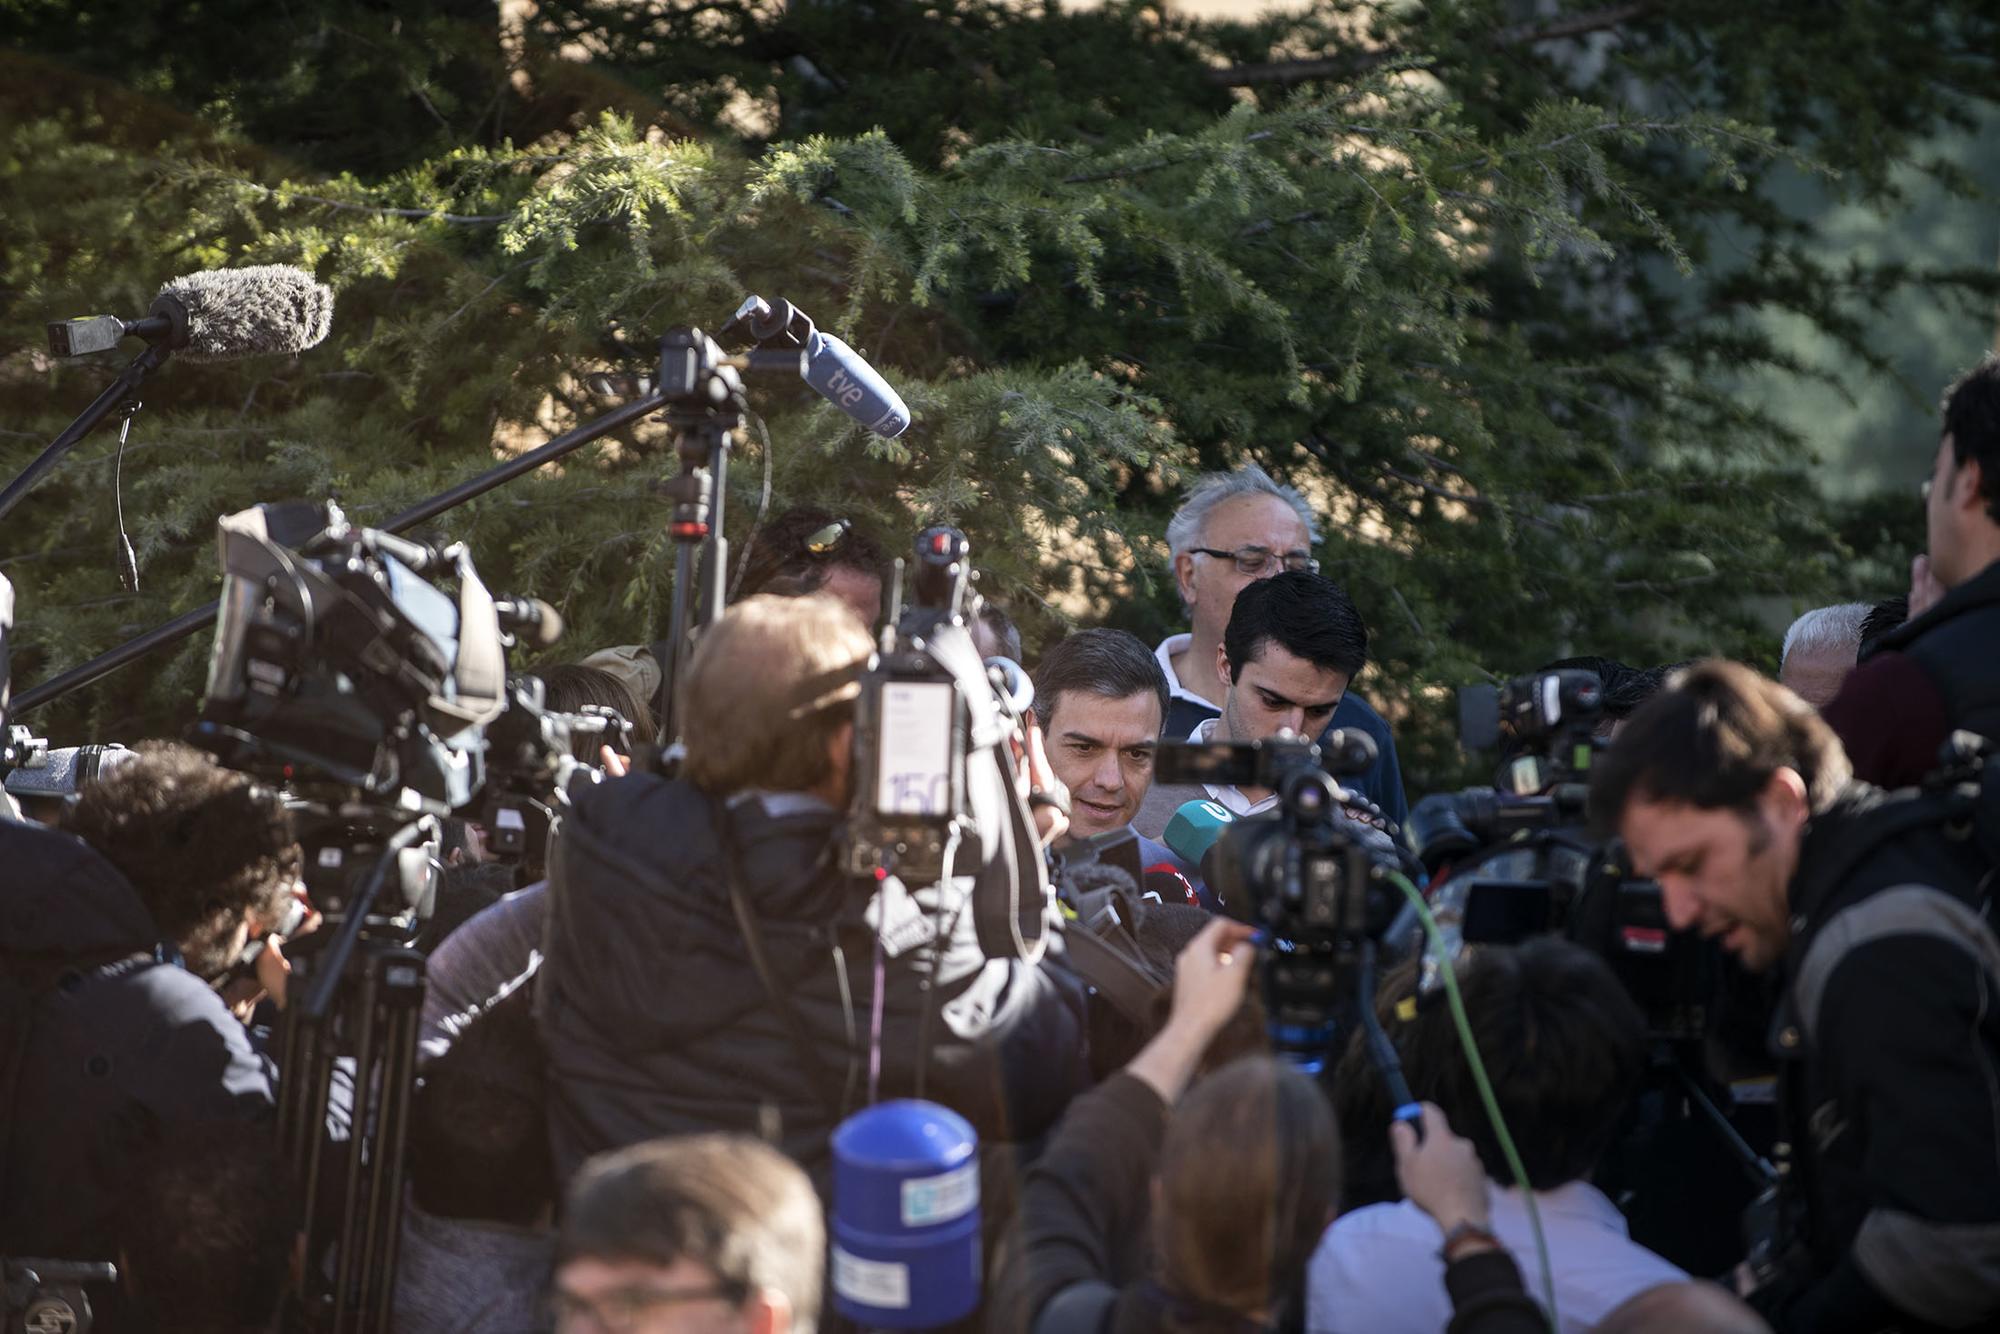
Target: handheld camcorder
1517	860
935	793
1312	878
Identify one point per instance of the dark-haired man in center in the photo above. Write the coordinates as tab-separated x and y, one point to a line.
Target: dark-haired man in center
1293	643
1100	696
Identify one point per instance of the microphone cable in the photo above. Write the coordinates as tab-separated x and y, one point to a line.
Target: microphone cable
1463	1023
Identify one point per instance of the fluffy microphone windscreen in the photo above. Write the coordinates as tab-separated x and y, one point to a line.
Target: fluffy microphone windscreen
268	308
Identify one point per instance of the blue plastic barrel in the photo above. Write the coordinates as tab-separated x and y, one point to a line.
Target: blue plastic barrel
905	1216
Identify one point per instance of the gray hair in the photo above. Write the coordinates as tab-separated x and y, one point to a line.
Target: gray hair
1211	489
1826	629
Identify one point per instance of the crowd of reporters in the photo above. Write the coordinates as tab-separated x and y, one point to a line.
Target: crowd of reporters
633	1058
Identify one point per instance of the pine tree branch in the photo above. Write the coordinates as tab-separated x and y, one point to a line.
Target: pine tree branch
1361	62
374	210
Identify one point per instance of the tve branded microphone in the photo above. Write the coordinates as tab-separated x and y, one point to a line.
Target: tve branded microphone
834	370
218	315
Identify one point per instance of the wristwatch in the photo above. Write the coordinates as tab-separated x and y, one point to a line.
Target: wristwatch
1466	1234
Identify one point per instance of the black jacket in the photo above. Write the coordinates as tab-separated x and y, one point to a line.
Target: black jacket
656	1023
1957	643
116	1047
1888	1037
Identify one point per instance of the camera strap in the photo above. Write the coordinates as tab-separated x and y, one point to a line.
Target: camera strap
753	944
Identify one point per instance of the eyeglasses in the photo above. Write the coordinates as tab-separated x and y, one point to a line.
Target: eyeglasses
624	1310
1256	560
822	541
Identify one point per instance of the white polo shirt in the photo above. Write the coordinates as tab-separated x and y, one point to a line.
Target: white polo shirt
1377	1269
1230	799
1169	646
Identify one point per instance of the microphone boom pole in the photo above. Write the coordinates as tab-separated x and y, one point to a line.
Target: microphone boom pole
116	392
189	622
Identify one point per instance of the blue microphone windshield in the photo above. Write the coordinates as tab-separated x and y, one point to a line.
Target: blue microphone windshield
852	385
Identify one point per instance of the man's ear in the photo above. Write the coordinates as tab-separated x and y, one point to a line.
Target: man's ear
840	752
1973	478
1222	666
1184	578
1785	799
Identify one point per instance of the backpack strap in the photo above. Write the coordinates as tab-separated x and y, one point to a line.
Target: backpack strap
1890	820
1905	910
816	1071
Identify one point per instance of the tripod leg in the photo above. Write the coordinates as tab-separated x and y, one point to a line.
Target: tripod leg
399	1003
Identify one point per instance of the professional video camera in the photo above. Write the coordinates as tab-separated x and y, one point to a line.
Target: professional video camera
1318	883
934	771
533	756
1517	859
380	703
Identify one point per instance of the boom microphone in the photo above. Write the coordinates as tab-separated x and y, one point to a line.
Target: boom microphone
218	315
530	619
835	371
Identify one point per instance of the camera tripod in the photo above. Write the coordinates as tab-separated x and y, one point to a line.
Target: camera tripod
348	1059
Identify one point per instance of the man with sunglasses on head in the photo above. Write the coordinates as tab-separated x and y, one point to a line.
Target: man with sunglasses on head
802	550
1234	529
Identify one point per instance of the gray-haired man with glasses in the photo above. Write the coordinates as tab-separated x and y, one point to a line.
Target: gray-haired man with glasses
1233	529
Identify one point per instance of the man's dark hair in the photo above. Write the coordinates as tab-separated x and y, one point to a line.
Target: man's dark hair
1562	1042
479	1140
568	686
199	843
464	890
1883	617
1972	420
1307	615
1625	687
1712	740
781	558
206	1230
1111	663
733	1204
1005	633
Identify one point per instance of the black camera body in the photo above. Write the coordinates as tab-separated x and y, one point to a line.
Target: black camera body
531	764
337	660
1517	860
913	724
934	771
1314	880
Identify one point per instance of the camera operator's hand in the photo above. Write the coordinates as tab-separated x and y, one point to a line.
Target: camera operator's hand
1210	977
1442	1175
272	968
1046	795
